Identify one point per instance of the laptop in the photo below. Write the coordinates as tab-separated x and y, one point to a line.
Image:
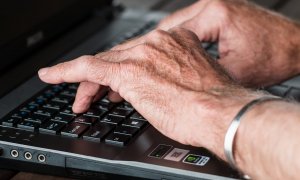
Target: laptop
38	130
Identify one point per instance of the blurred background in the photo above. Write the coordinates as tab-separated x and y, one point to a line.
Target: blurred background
290	8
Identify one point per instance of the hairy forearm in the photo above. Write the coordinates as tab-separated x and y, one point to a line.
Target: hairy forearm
267	144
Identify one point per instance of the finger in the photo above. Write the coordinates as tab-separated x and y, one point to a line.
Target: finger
206	30
182	15
101	93
114	96
85	68
85	96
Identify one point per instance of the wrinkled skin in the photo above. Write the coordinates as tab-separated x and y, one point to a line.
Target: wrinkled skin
257	47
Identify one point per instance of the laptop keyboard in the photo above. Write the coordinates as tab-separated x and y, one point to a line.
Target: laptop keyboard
50	112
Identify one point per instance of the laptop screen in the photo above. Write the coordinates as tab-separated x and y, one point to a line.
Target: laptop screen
25	25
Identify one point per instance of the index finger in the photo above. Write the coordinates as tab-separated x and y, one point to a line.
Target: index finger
84	68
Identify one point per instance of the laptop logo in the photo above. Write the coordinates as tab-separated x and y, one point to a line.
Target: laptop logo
196	159
176	154
35	38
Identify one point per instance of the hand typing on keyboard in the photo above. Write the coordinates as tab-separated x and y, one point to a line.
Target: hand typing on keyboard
256	47
171	81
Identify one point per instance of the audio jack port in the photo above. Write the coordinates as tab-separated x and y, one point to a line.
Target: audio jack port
28	155
41	158
14	153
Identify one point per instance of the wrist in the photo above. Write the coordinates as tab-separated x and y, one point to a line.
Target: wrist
218	110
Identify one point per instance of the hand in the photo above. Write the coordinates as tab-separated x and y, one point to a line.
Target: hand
257	47
168	79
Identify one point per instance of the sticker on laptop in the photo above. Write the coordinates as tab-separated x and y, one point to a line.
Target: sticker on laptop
196	160
160	151
176	154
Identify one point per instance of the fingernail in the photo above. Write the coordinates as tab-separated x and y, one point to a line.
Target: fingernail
43	71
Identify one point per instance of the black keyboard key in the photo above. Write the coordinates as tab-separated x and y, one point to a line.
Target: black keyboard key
117	139
63	99
70	93
28	125
125	105
10	121
103	106
46	112
294	93
74	130
29	108
73	86
37	118
68	111
115	120
136	115
21	114
52	127
134	123
49	94
38	102
278	90
63	118
97	132
54	105
86	120
95	112
126	130
120	112
57	88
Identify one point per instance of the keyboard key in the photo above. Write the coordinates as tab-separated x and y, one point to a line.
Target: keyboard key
120	112
52	127
37	118
38	102
97	132
28	125
29	108
112	119
70	93
136	115
10	121
46	112
130	131
63	118
49	94
294	93
86	120
21	114
74	130
103	106
125	105
57	88
73	86
117	139
134	123
95	112
278	90
68	111
54	105
63	99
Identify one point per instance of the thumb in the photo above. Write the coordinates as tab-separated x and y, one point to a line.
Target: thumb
204	27
182	15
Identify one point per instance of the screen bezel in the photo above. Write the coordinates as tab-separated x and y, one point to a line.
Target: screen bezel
15	51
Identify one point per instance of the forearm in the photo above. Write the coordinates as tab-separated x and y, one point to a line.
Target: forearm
267	144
